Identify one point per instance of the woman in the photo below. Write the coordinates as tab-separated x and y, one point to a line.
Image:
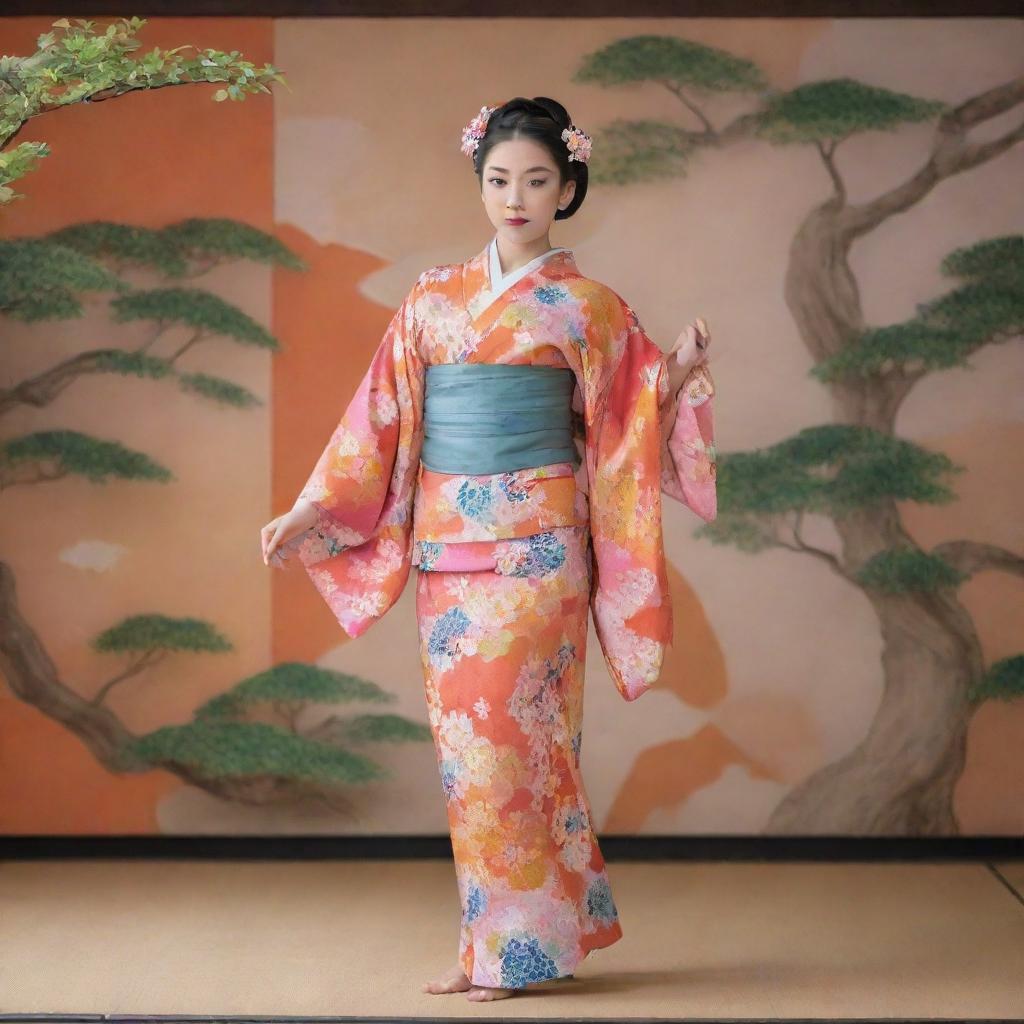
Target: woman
511	439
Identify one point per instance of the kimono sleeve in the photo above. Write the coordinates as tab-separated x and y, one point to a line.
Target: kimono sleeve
630	598
688	456
358	554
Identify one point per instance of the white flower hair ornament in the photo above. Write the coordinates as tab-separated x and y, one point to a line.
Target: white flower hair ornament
577	140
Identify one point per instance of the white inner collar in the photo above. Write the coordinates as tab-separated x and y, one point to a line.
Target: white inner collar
500	282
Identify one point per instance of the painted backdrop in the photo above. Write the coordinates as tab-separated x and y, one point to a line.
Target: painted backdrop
847	657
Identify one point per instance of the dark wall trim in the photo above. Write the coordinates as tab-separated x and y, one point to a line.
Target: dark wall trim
614	848
521	8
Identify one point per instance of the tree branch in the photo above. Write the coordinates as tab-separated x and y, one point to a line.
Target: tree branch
970	557
826	153
148	659
45	387
677	91
801	547
33	678
950	155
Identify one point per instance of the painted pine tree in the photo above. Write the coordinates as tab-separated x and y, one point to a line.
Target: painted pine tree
854	470
225	749
229	748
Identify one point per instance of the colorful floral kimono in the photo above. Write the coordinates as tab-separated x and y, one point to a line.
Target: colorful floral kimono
508	566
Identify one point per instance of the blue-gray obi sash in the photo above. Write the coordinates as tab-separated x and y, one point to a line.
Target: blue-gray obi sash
481	418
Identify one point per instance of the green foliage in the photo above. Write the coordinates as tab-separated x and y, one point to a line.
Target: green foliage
628	151
75	64
256	749
1004	681
172	250
125	245
19	161
742	531
994	259
644	150
219	742
131	364
250	750
989	305
375	729
222	238
154	632
224	392
909	347
907	569
138	364
39	279
666	59
832	469
195	308
291	681
988	308
56	453
42	280
838	108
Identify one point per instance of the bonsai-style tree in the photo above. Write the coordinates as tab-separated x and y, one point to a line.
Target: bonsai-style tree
853	470
225	749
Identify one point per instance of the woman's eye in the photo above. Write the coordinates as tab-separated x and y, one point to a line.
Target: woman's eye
535	181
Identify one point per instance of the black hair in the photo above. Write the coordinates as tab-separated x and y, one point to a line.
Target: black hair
542	120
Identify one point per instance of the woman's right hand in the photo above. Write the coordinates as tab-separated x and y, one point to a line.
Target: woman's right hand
302	515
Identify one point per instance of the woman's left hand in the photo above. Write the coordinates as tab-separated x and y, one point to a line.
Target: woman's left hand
690	350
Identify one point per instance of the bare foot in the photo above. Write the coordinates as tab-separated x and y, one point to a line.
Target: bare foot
483	994
454	980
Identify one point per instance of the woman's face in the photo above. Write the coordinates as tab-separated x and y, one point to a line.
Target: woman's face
520	179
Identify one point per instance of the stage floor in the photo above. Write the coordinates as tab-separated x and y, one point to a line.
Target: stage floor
357	939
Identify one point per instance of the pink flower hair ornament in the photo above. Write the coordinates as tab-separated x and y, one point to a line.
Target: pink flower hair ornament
577	140
476	130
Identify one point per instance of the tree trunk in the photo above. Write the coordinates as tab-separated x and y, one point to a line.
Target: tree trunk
33	678
899	779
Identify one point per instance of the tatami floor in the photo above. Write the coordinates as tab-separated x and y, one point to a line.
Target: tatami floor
356	939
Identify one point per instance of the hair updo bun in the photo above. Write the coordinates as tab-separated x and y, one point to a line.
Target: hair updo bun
543	120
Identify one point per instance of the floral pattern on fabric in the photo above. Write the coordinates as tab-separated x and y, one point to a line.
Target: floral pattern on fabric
381	511
455	508
503	660
689	469
509	567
